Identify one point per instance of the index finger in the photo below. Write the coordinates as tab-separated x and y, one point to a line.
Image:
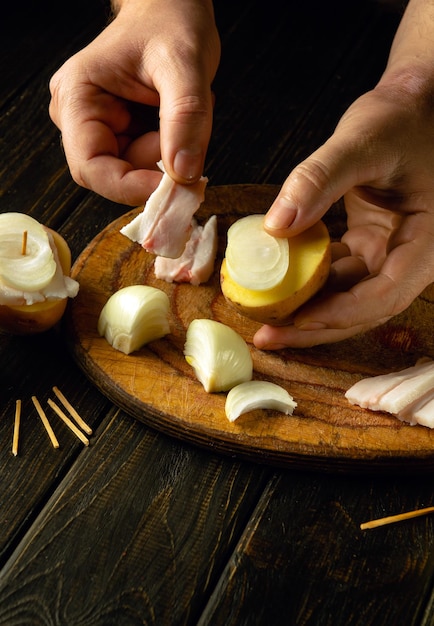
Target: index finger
94	164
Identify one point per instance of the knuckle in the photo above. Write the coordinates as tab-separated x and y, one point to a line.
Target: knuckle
190	106
78	175
314	172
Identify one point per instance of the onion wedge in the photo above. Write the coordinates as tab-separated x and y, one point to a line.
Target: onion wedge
134	316
258	394
219	356
254	259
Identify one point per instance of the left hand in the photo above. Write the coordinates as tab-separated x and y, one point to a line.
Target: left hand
380	158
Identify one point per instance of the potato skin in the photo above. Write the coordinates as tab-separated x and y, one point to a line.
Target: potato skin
39	317
310	259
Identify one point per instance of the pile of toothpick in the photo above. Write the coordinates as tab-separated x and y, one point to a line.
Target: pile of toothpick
74	422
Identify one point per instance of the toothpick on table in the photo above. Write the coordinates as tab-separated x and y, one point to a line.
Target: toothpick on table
45	422
87	429
24	244
68	422
382	521
16	428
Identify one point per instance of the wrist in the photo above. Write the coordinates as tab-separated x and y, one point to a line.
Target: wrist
410	79
117	5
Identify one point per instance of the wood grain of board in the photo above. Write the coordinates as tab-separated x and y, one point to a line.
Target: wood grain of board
158	387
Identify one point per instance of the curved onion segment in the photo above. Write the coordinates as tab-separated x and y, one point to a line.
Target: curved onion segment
219	356
134	316
33	270
255	259
258	394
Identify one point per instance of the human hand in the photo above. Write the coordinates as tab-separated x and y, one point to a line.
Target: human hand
154	57
380	158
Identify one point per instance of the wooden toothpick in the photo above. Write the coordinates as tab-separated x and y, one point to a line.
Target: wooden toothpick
68	406
391	519
16	427
68	422
45	421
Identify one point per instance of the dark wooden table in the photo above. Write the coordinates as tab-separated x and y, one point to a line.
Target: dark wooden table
139	527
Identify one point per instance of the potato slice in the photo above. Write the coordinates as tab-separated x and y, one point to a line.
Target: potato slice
308	269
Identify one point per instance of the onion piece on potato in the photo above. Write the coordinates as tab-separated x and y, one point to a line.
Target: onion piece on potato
306	273
33	312
255	259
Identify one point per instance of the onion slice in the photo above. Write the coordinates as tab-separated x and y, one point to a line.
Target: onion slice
133	316
254	259
33	270
218	354
258	394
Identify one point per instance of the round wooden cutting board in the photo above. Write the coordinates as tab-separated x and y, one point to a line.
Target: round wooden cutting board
158	387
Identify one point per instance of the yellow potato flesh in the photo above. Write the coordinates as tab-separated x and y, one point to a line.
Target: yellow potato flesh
309	266
39	317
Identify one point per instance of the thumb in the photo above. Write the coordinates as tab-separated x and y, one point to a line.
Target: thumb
186	111
313	186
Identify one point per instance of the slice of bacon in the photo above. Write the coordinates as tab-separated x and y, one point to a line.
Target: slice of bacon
421	411
408	391
424	415
408	394
367	392
196	263
164	226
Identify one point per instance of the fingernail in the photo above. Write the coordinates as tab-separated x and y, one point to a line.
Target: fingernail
281	215
274	346
187	164
311	326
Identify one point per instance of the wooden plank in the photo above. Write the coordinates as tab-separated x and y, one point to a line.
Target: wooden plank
279	64
32	366
304	559
357	71
139	530
38	37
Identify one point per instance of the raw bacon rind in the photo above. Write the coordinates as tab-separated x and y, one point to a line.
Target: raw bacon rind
408	391
164	226
196	263
408	394
421	411
423	415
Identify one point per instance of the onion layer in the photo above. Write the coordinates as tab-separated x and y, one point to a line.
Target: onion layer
33	269
257	394
255	259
